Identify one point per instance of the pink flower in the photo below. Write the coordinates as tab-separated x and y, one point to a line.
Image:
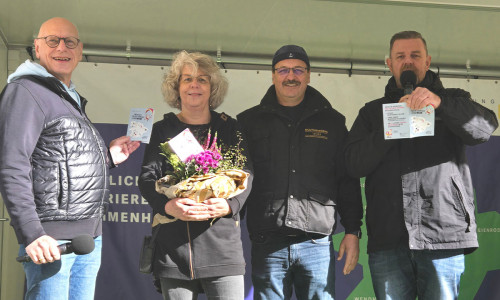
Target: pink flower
211	159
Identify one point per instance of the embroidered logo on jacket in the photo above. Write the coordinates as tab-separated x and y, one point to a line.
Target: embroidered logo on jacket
316	133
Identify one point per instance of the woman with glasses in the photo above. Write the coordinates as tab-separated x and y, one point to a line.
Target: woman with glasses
201	251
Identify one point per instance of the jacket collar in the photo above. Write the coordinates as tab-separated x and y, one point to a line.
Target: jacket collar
431	82
56	86
215	119
313	101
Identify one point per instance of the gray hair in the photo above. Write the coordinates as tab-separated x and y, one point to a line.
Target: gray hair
197	60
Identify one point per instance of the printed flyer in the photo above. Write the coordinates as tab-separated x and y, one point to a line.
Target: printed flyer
400	122
140	124
185	144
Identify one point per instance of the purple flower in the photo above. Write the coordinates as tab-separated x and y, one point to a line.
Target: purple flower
211	159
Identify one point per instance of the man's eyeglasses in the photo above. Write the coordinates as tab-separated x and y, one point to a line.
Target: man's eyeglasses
53	41
201	79
298	71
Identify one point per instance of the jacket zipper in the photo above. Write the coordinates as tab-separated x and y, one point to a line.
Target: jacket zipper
94	136
103	156
100	146
80	108
293	134
191	269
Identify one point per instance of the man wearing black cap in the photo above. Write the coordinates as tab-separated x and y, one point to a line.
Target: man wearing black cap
295	141
420	199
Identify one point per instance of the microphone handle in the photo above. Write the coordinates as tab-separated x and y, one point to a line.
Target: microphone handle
63	249
408	89
25	258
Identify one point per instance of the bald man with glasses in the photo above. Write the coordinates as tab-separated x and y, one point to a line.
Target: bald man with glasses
295	142
54	167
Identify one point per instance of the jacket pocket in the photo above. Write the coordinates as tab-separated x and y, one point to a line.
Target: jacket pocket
60	185
320	198
46	187
320	214
264	212
459	193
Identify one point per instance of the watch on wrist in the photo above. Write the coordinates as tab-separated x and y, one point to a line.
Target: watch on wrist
356	233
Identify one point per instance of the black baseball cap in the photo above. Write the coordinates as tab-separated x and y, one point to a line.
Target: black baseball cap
291	52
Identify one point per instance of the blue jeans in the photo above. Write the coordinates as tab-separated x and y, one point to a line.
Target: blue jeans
404	274
283	263
71	278
215	288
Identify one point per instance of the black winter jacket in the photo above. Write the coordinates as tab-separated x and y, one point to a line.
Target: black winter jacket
300	180
53	162
419	191
194	249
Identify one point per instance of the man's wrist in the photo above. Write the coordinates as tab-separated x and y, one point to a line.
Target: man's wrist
111	162
355	232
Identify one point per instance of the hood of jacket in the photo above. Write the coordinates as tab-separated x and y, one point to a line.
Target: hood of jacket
29	68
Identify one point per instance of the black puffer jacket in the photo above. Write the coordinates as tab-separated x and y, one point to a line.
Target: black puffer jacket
300	180
53	162
195	249
419	191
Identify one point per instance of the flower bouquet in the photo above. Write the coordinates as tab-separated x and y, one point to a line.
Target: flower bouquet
200	173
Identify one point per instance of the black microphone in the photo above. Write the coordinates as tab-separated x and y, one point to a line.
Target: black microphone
408	81
82	244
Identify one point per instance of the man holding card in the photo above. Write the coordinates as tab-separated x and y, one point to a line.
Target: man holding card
420	200
54	167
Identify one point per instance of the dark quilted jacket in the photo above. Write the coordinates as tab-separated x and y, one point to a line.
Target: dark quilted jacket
53	162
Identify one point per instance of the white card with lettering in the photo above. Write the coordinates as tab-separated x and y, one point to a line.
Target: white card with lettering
140	124
185	144
400	122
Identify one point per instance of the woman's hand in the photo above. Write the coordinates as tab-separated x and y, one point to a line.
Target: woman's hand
187	210
217	207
